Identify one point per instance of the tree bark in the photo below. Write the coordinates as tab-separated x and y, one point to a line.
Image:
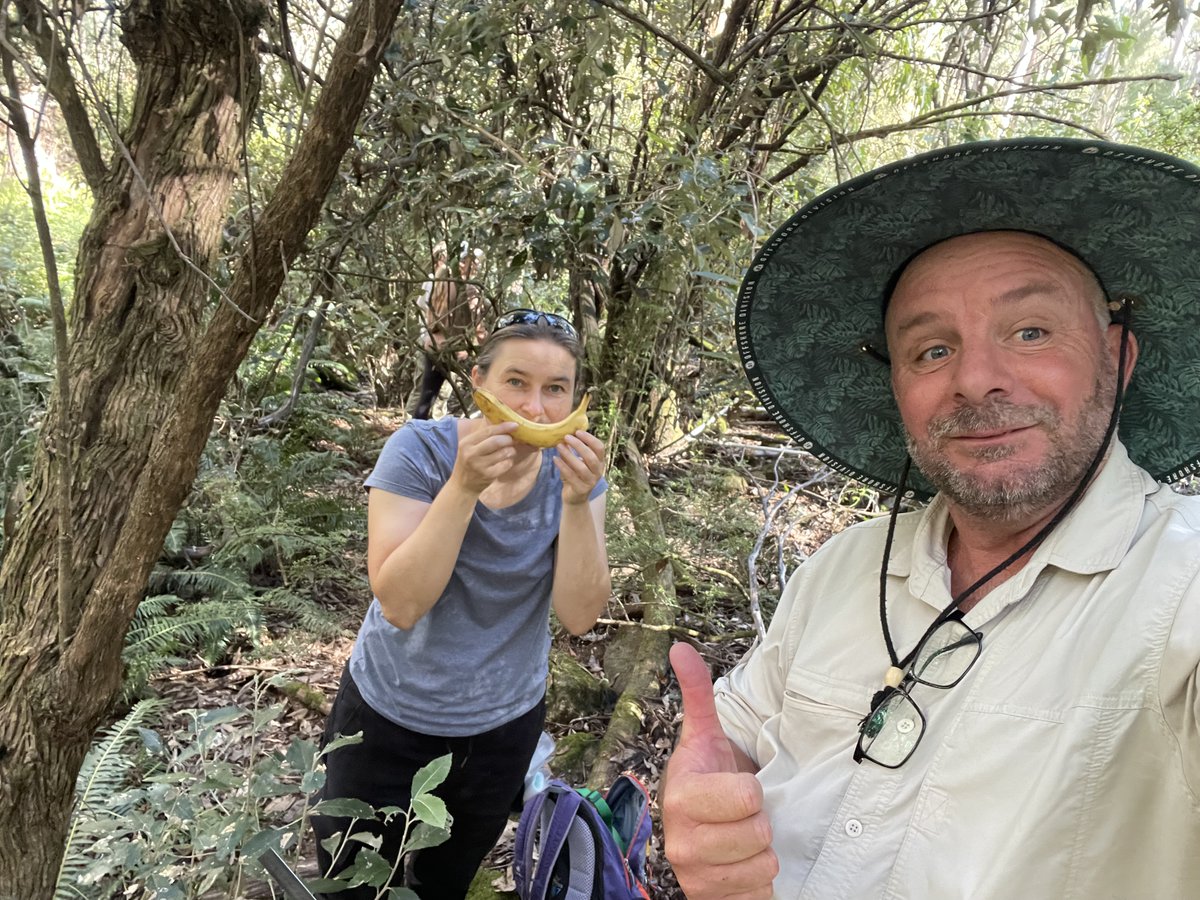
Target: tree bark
148	376
659	605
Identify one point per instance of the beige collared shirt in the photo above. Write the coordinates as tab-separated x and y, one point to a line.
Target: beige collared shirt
1065	765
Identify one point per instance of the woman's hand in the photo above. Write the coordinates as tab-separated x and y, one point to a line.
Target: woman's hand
580	462
485	452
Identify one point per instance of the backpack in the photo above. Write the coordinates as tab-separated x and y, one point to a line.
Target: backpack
578	845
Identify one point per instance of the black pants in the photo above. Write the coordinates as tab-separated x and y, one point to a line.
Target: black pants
432	379
487	775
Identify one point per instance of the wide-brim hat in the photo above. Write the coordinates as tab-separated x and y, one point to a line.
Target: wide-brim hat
810	310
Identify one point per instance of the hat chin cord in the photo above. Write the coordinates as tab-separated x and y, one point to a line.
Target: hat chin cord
895	672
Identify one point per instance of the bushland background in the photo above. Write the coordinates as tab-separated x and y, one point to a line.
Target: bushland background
217	217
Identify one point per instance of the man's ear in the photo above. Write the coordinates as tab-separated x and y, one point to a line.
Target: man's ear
476	377
1113	339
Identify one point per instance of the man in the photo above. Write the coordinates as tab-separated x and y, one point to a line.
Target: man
455	323
996	696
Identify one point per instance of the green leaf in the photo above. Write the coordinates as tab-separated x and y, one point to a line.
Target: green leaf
430	776
301	755
342	740
312	781
426	835
750	223
263	841
430	809
346	807
221	716
374	841
369	868
151	741
326	885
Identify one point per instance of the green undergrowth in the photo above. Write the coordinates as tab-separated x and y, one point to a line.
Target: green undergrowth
187	813
268	548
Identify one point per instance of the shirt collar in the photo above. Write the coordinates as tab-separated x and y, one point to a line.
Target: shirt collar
1094	536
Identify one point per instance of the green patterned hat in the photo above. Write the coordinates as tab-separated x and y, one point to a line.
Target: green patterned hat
810	307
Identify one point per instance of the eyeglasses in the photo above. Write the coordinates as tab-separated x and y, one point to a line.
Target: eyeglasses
532	317
890	734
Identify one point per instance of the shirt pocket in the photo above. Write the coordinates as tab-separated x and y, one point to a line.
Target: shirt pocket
821	715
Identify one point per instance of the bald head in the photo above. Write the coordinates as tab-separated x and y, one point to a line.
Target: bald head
1075	272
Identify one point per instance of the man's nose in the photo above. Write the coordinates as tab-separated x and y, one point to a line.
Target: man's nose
982	372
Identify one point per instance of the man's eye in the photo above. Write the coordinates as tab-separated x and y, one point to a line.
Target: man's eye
1031	334
935	353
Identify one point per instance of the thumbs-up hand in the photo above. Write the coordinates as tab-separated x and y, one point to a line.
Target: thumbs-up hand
717	837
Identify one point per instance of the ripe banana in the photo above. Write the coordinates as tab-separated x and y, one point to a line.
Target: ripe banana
539	434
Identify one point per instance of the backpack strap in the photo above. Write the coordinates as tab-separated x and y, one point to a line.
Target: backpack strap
600	803
531	817
552	824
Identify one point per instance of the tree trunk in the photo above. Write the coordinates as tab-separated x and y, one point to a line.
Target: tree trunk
136	310
659	605
146	385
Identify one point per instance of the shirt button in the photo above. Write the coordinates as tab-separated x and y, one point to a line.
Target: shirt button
854	827
904	726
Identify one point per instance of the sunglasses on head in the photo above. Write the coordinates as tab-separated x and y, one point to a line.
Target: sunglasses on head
532	317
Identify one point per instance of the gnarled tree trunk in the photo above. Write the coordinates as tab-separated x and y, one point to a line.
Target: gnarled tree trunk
136	313
147	375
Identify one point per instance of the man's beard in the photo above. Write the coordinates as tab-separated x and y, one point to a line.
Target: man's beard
1017	494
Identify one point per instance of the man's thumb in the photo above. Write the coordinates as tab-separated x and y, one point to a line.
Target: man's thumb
699	711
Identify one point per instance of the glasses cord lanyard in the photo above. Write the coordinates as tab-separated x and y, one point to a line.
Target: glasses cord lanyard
895	673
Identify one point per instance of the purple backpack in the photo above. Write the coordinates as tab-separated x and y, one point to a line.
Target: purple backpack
579	845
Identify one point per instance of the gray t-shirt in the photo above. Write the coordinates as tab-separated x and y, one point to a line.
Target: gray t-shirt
478	658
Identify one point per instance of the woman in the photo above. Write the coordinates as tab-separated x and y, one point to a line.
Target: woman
472	538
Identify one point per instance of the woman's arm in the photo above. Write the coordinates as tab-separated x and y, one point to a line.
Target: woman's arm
581	578
412	546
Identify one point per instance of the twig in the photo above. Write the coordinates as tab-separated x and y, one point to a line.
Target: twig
697	431
306	695
770	511
935	115
204	670
701	63
728	576
747	450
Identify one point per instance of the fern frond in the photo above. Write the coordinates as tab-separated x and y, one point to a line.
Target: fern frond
163	629
103	773
309	616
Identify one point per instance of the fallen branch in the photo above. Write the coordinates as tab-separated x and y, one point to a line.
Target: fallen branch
305	694
682	631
